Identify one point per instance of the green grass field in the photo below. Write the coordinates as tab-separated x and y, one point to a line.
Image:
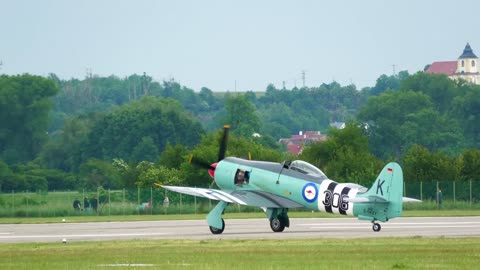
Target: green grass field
393	253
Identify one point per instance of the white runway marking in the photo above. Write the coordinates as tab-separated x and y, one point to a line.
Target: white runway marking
393	223
81	235
390	227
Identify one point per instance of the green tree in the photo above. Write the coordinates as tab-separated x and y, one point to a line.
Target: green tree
417	164
385	83
466	109
173	156
344	156
396	120
145	150
25	102
119	132
471	165
63	150
439	88
162	175
96	173
5	177
241	115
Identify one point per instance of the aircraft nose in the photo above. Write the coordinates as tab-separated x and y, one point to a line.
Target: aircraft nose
211	170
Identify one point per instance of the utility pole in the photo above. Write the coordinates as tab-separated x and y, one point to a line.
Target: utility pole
1	63
145	84
303	78
283	83
393	66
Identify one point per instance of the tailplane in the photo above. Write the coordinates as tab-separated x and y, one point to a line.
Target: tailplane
388	188
384	199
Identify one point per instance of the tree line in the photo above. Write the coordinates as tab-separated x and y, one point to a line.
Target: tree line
113	132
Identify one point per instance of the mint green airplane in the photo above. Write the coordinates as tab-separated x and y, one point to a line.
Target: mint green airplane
278	187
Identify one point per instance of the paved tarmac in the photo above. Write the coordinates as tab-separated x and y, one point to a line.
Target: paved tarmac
300	228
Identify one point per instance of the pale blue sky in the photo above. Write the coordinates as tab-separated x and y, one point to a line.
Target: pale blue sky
215	43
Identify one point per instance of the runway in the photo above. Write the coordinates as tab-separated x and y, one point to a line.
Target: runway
300	228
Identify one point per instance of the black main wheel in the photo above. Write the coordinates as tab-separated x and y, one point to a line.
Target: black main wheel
376	227
277	224
216	230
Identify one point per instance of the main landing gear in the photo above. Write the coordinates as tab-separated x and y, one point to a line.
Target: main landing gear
278	219
277	224
376	227
215	220
217	230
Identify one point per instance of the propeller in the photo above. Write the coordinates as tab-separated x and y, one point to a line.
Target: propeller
221	155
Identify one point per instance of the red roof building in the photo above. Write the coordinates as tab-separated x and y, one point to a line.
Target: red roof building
446	67
296	142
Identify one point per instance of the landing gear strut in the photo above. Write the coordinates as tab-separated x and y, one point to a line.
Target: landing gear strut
376	227
215	220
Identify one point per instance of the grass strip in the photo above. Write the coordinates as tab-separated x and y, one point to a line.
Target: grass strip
378	253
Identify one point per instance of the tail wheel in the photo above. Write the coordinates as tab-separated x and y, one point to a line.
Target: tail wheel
217	230
376	227
277	224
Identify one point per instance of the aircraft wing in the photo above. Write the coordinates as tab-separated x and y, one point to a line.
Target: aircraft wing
265	199
242	197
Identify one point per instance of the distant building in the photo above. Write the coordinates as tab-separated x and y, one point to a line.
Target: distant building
338	125
466	67
296	142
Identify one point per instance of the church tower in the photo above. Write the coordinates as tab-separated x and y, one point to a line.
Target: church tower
467	66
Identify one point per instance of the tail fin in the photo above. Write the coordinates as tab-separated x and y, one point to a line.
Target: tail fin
388	188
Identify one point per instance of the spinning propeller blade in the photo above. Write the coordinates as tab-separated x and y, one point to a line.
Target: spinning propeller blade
223	143
200	163
221	155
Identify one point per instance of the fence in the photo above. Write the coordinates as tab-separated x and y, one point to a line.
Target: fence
149	201
139	201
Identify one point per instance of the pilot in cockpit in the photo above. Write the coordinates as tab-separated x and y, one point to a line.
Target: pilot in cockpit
241	177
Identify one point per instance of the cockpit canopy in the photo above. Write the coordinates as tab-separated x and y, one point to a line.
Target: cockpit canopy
306	168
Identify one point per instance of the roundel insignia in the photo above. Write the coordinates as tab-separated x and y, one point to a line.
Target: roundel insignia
310	192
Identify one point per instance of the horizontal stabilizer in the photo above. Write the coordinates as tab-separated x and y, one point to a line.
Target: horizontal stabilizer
356	186
370	198
356	200
378	199
407	200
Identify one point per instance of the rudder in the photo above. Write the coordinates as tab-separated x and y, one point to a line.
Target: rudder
389	188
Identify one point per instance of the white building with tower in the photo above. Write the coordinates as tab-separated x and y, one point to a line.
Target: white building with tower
466	67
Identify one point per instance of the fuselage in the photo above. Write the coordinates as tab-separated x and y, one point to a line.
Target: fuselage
297	181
